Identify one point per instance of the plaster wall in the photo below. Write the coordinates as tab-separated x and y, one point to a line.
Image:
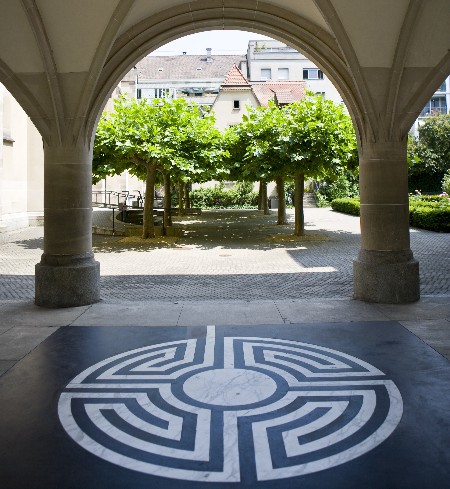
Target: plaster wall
22	167
223	109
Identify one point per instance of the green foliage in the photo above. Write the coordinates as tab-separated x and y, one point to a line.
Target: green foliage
313	136
345	185
240	197
346	205
321	140
175	135
429	154
430	212
430	217
446	182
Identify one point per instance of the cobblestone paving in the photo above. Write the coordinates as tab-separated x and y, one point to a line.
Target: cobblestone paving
229	255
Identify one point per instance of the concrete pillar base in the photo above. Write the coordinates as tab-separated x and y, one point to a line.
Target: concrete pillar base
67	281
390	277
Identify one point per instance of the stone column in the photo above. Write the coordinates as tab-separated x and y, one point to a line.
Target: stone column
385	270
67	275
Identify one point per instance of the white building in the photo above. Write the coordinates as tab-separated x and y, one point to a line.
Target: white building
438	104
275	61
237	93
21	167
193	77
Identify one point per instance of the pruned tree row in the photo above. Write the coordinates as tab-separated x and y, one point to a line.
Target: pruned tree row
172	142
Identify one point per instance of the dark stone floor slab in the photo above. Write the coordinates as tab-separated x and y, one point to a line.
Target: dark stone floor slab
335	406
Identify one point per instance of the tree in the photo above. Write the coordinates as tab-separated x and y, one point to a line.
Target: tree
321	142
429	154
169	136
312	137
260	147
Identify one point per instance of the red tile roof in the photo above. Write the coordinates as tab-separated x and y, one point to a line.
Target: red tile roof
282	92
235	77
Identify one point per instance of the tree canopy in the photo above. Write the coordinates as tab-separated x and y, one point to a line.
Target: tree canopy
166	136
429	154
310	138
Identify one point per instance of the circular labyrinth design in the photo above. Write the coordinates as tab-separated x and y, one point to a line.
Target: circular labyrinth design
230	409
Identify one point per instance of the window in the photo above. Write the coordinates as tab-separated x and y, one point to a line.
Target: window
236	104
266	74
322	94
283	73
162	92
437	105
138	93
441	88
312	74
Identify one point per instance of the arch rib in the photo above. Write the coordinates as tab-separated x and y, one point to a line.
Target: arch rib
25	98
153	32
422	95
406	33
38	28
98	62
331	16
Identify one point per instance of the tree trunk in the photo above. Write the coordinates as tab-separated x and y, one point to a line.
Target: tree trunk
281	201
148	225
265	200
180	198
187	196
167	201
298	200
260	200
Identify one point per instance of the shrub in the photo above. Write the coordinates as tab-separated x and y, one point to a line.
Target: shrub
347	205
240	197
430	212
345	185
430	217
446	182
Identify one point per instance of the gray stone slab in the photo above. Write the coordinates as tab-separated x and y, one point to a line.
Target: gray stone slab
25	313
426	308
19	341
229	312
5	365
435	332
4	328
131	314
301	311
372	396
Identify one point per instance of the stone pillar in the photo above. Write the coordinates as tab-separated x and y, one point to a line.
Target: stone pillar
67	275
385	270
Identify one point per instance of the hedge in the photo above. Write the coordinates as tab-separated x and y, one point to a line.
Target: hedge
347	205
219	198
428	212
433	218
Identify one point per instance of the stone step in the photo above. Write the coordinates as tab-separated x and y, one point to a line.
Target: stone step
309	200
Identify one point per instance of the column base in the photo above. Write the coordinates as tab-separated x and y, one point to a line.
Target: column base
67	281
390	277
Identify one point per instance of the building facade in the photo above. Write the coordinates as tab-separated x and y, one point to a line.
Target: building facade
272	60
21	168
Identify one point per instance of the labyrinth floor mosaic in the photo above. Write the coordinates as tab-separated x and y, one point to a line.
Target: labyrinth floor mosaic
311	406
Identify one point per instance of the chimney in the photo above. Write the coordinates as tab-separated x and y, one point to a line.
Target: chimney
208	55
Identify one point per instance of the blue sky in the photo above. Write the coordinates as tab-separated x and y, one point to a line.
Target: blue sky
221	42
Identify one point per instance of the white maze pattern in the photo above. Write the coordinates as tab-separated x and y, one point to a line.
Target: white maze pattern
230	409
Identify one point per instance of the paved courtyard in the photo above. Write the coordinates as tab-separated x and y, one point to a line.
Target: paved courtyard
232	255
247	330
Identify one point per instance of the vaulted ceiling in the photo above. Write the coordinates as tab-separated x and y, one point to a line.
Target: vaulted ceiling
61	59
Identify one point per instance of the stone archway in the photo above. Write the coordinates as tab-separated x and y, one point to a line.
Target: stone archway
384	89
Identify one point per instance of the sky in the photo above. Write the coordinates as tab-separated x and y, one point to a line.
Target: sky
221	42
